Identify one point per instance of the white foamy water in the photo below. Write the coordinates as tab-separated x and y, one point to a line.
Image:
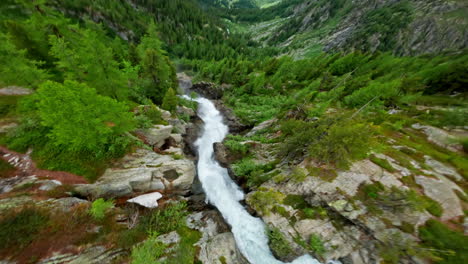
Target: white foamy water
223	193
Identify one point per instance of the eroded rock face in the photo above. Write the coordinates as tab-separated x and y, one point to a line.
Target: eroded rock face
92	255
143	171
157	135
217	242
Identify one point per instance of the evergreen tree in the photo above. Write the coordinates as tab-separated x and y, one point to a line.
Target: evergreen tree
170	100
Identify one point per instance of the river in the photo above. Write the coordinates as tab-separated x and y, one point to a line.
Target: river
223	192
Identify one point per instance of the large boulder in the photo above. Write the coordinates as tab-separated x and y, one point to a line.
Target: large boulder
143	171
156	136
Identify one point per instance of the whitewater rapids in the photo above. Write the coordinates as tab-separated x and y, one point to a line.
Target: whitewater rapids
222	192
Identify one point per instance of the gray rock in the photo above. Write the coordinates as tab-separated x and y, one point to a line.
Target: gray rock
222	246
93	255
15	90
157	135
49	185
149	200
142	171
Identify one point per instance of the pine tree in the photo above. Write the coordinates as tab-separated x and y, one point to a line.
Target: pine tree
170	100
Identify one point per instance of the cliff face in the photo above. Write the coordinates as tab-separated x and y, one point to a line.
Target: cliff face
410	27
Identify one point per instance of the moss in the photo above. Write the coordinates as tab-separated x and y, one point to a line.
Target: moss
407	227
327	175
222	260
295	201
316	245
264	200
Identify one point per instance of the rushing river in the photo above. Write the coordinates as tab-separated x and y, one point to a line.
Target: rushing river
223	193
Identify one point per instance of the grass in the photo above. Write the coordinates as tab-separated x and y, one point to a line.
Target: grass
451	246
19	229
383	163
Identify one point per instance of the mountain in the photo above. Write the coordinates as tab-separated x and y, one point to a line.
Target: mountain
408	27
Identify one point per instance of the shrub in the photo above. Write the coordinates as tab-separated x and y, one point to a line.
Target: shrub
264	200
233	143
451	246
278	244
316	244
168	219
149	251
330	140
170	100
100	207
102	119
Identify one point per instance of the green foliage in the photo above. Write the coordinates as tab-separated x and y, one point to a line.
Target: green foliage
396	248
16	68
234	144
149	251
316	245
169	219
278	244
383	163
102	120
264	200
254	173
387	21
19	229
170	100
451	246
330	140
100	207
89	60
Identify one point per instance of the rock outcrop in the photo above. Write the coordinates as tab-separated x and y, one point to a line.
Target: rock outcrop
143	171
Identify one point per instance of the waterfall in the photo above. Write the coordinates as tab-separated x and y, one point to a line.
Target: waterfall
222	192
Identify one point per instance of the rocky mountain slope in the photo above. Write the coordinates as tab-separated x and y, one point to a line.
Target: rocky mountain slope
403	27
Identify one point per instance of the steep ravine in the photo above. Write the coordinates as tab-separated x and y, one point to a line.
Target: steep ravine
221	191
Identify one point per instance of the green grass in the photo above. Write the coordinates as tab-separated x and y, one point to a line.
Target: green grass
383	163
451	246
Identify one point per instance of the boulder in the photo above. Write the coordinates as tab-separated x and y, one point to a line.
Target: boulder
92	255
182	110
149	200
15	90
233	122
143	171
221	248
261	126
157	135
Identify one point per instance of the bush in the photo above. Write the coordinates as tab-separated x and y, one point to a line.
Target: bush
100	207
233	143
316	244
168	219
149	251
330	140
278	244
102	120
451	246
264	200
